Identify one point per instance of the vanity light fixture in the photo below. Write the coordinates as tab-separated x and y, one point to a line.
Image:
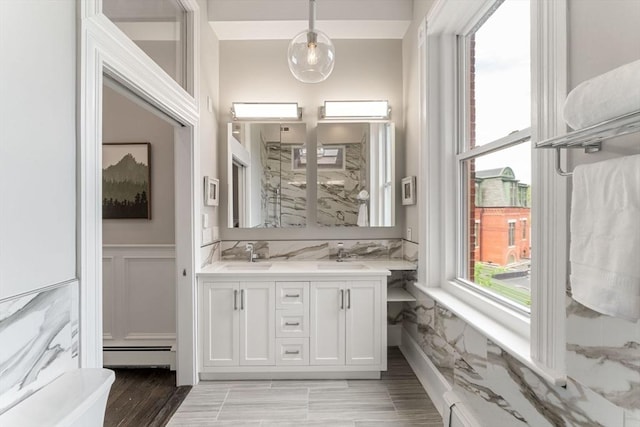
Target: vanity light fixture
376	110
311	54
266	111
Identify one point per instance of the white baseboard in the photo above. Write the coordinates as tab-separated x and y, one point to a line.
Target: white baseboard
352	375
141	358
431	379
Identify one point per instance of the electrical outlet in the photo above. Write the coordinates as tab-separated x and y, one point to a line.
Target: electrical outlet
205	220
408	233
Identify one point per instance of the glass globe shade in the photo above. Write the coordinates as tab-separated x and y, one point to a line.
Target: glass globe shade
311	56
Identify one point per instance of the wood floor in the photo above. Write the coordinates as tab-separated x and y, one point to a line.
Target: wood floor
397	400
143	397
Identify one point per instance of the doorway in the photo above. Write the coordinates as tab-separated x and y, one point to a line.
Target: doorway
138	232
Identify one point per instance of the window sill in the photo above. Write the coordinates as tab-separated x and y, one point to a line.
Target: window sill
516	344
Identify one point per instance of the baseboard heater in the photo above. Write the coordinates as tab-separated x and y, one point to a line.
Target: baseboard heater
158	356
456	413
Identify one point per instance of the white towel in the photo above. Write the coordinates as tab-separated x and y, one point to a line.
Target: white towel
605	237
363	215
612	94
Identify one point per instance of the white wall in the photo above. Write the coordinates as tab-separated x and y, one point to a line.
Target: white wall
37	144
125	121
258	71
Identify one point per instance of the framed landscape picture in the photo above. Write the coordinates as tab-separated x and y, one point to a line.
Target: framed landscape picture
126	180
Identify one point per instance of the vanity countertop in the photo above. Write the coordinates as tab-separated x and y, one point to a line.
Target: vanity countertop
267	268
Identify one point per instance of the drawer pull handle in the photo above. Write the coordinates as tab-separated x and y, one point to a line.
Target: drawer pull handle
235	299
292	352
292	295
291	323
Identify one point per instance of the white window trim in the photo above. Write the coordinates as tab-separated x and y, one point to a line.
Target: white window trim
538	342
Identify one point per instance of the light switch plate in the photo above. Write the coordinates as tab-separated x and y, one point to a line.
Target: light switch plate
408	233
205	220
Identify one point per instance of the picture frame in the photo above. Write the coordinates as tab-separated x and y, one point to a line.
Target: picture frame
211	191
126	180
409	190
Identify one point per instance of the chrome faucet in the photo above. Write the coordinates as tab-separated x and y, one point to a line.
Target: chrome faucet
340	255
249	248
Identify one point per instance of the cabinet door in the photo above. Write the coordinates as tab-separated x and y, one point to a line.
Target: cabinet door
257	323
327	323
363	323
221	323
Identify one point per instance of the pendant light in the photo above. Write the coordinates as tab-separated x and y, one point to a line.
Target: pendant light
311	53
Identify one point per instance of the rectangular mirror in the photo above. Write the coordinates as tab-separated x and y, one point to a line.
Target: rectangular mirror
268	184
356	174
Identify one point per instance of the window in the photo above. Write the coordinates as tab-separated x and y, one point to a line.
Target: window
494	152
523	223
512	233
531	333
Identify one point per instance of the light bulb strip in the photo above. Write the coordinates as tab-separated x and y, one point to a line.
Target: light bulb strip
379	110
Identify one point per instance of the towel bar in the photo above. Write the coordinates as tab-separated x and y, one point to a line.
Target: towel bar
591	138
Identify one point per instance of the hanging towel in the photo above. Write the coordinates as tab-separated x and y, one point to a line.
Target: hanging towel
605	237
363	215
612	94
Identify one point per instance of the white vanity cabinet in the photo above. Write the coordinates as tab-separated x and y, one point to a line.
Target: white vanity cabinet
238	323
294	325
346	323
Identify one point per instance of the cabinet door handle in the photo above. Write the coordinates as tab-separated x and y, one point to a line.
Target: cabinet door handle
291	323
235	299
292	352
341	299
349	298
241	299
292	296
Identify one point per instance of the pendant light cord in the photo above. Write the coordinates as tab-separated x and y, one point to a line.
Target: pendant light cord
312	15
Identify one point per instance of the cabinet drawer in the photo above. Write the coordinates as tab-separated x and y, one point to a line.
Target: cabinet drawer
292	323
292	295
292	351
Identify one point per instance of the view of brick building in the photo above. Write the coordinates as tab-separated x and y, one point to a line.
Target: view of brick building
502	218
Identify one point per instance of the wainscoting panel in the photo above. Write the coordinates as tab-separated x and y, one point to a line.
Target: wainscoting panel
139	296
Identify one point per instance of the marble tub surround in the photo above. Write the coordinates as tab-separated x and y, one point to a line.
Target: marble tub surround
297	250
39	336
608	363
496	387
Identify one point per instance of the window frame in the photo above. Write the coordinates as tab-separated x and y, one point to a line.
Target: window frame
538	341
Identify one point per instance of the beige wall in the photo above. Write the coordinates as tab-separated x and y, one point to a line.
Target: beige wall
411	90
124	121
602	35
258	71
208	124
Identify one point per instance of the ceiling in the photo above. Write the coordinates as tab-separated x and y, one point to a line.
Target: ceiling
267	19
283	19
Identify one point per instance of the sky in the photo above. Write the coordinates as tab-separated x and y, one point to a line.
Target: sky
503	94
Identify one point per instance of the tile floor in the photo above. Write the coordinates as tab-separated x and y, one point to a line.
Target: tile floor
397	400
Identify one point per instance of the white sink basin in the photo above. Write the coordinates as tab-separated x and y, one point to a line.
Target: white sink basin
248	266
342	266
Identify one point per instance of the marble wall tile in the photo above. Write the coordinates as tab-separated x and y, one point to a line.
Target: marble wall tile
410	251
38	342
631	419
210	253
233	250
299	250
395	249
338	189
